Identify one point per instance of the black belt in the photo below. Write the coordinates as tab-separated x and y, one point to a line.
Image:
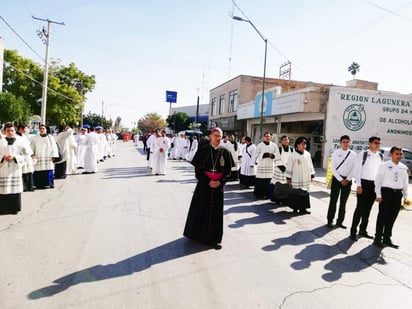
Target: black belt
367	181
391	190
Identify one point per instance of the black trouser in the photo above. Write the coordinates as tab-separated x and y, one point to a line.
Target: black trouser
148	154
363	206
27	181
388	212
344	191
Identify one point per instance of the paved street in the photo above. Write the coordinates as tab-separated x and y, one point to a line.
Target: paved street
114	240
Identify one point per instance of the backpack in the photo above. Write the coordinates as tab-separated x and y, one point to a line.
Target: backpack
365	155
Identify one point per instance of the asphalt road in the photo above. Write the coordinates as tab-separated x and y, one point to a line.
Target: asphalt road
114	240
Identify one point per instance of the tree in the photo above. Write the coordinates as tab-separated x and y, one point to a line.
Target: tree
178	121
151	121
13	109
65	99
22	77
353	69
117	122
95	120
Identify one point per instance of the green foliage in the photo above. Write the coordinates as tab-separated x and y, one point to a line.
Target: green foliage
67	87
178	121
95	120
13	109
151	121
22	77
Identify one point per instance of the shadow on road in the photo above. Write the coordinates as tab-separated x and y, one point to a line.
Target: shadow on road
320	252
365	258
264	214
126	172
299	238
173	250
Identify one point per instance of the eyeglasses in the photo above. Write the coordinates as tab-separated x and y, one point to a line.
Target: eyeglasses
377	143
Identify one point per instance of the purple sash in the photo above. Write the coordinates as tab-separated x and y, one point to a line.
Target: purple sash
214	176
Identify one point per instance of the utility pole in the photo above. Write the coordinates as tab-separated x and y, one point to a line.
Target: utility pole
102	112
79	87
46	65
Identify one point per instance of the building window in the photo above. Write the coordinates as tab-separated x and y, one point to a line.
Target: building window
214	107
233	101
222	104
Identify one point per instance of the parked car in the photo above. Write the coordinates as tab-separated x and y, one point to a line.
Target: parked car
406	159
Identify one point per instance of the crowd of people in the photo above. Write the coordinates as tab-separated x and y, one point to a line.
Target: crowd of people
283	174
280	173
32	161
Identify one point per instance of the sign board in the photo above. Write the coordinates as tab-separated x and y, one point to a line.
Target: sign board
171	96
288	104
267	104
362	113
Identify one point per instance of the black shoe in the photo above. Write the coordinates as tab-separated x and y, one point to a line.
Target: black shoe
353	237
366	235
390	244
329	225
341	226
304	212
378	244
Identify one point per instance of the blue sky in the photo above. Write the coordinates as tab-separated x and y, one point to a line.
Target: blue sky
139	49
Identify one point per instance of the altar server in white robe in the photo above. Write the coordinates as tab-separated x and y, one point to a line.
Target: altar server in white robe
160	148
247	163
91	150
14	152
267	153
45	149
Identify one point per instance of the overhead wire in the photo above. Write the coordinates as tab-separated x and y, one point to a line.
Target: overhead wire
26	75
19	36
40	83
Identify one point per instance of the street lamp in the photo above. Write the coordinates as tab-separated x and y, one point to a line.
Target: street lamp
264	70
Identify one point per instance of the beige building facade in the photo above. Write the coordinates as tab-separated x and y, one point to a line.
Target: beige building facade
320	112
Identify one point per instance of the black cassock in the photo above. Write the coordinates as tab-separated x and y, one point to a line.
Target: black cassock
205	218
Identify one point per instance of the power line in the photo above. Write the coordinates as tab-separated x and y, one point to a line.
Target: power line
15	32
40	83
389	11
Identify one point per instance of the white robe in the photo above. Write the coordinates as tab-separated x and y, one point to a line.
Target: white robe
11	181
247	161
234	153
159	152
300	168
192	150
150	144
265	166
278	175
68	146
81	149
90	157
44	149
28	165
